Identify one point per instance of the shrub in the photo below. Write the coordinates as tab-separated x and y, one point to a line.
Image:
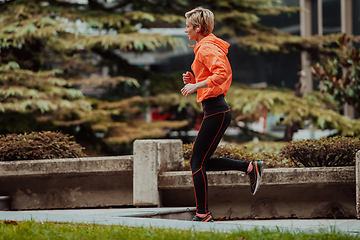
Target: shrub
333	151
263	146
226	151
270	159
273	160
38	145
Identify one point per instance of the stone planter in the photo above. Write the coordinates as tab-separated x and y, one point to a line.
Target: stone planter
148	178
284	193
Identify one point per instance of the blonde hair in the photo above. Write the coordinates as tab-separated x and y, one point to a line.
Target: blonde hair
203	17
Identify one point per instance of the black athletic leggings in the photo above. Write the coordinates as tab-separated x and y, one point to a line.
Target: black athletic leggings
217	116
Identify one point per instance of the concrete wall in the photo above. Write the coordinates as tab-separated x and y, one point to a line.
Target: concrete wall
68	183
148	178
284	193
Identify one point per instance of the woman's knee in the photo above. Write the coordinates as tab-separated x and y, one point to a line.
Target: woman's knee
195	165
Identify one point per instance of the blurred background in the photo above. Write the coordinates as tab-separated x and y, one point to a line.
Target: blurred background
109	72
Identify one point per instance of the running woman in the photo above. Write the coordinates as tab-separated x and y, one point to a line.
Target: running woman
212	80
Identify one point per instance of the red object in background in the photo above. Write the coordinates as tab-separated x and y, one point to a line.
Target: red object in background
157	115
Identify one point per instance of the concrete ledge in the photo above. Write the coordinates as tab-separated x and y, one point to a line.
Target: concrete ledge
284	193
65	166
68	183
149	179
275	176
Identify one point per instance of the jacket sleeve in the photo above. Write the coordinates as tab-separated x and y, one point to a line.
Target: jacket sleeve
215	61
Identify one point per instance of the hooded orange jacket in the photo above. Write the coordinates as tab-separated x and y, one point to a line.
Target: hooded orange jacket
212	65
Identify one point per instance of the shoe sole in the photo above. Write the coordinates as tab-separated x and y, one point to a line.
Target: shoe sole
260	167
208	218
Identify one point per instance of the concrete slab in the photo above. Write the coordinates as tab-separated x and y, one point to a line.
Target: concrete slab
138	217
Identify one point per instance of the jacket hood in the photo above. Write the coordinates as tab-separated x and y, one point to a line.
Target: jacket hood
213	40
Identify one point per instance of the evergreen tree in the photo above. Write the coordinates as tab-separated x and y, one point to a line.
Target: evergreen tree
53	53
51	50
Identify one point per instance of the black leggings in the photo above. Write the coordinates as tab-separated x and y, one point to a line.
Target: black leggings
217	117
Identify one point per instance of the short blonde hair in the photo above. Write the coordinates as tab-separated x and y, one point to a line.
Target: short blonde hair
203	17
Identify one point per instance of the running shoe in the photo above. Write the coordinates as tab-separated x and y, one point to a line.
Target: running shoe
207	218
255	176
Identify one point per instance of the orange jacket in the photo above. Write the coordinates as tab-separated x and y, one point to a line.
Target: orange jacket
212	65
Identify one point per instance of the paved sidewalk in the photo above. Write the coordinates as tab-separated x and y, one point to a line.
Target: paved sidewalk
137	217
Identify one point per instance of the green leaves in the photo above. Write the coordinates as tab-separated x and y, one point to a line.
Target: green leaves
9	66
25	91
323	152
345	87
18	92
10	29
45	106
73	94
46	21
28	30
61	34
321	109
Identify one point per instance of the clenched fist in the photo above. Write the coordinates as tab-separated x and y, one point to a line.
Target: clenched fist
188	77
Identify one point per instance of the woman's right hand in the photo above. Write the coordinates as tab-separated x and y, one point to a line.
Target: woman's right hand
188	77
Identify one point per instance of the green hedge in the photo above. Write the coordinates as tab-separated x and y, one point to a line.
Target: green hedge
271	159
38	145
323	152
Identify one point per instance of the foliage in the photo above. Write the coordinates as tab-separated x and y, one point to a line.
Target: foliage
41	93
271	159
323	152
165	83
25	23
275	41
222	151
128	132
14	122
52	51
263	146
340	76
50	230
319	109
122	121
247	104
38	145
240	20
